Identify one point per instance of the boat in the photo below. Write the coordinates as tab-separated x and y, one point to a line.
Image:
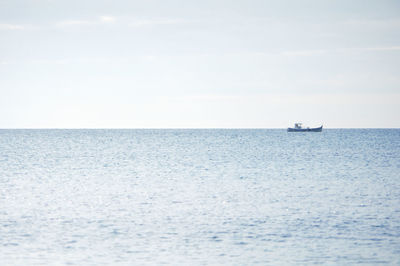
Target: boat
298	127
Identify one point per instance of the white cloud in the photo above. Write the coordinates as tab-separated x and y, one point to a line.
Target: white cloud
107	19
98	21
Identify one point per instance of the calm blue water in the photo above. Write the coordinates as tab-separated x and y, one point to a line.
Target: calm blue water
199	197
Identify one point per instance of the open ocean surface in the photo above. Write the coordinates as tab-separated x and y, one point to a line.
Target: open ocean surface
199	197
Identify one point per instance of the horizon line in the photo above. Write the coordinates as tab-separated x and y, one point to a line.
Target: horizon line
176	128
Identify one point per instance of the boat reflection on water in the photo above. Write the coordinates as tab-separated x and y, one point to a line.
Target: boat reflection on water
299	128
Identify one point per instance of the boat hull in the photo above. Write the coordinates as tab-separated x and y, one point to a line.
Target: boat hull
316	129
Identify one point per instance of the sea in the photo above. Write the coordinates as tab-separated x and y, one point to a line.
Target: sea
199	197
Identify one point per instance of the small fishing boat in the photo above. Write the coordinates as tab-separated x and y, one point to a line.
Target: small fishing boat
298	127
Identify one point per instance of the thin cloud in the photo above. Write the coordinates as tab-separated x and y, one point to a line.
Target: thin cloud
317	52
381	23
273	98
150	22
107	19
12	27
98	21
74	23
305	52
111	19
384	48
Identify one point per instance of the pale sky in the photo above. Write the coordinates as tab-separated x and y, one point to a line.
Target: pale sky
199	64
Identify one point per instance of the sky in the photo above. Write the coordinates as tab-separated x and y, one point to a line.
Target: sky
199	64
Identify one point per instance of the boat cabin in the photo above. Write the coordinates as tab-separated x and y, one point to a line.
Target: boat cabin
298	125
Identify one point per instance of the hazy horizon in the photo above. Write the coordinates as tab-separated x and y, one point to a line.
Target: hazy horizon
182	128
